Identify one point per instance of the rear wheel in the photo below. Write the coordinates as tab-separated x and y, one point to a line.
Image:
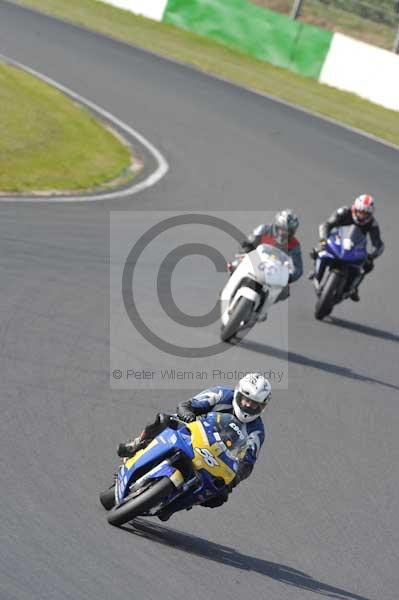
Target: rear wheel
142	503
327	298
241	313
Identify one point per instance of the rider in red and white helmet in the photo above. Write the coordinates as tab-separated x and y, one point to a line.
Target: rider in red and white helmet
361	214
363	209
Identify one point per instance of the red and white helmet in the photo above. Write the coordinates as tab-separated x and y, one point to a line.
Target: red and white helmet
363	209
251	397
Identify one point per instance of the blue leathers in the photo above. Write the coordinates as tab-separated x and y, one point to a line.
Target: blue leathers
217	398
220	398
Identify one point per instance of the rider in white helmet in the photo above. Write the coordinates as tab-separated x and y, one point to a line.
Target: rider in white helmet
246	401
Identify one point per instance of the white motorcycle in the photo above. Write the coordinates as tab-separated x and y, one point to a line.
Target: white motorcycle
253	288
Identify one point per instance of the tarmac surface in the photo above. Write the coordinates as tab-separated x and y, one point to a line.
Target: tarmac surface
319	516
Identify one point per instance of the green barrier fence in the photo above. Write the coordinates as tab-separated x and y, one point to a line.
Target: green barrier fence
259	32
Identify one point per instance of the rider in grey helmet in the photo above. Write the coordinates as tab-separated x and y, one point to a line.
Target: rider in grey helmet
280	233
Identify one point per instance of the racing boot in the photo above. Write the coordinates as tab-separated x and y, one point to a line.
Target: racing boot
165	515
129	449
355	295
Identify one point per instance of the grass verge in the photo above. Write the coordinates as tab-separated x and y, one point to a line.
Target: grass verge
219	60
48	143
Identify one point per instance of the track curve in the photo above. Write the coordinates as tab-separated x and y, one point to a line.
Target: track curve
321	518
155	165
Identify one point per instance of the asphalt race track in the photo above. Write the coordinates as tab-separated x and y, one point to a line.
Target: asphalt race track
319	518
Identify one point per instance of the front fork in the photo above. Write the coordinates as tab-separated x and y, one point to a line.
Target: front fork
322	267
319	270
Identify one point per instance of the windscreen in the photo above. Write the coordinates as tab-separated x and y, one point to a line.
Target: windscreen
355	234
227	429
273	253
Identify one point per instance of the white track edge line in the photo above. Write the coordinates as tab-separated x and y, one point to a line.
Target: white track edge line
162	169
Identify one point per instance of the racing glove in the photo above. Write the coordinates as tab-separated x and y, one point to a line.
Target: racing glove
322	244
315	251
186	415
247	246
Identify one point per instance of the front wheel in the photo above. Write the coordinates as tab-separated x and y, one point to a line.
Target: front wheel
241	313
141	504
107	498
327	299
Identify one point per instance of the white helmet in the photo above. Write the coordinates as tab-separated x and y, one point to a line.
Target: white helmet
251	396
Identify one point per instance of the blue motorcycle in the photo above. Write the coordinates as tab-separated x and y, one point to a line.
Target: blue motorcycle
339	268
185	465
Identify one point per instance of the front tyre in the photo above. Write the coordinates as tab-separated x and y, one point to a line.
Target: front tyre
327	298
141	504
241	313
107	498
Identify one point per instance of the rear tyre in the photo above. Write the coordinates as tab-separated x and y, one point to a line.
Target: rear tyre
107	498
142	503
241	312
326	301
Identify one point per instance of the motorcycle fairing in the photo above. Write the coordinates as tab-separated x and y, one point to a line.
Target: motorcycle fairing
206	446
341	250
214	468
165	443
265	269
348	244
164	469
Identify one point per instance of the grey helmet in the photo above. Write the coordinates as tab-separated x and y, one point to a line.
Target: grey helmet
285	225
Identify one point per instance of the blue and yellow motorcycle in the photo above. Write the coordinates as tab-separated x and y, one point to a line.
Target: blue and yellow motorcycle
185	465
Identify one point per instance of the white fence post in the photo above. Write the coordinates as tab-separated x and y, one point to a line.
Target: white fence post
396	44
